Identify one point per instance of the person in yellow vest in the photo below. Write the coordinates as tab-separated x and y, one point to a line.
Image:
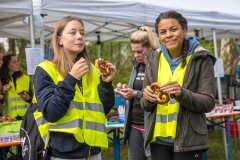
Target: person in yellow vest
1	87
177	130
16	88
72	98
2	98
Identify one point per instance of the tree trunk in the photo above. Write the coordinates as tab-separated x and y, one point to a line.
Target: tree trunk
229	54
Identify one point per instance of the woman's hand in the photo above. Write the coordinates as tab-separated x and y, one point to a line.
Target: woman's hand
128	93
112	73
1	97
80	68
149	95
7	87
121	86
172	88
24	96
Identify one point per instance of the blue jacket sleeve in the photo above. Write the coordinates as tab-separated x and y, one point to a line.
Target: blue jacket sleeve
106	94
53	100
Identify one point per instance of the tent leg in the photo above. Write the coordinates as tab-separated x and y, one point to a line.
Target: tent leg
32	32
220	95
42	36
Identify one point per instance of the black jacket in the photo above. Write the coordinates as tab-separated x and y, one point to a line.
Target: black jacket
53	101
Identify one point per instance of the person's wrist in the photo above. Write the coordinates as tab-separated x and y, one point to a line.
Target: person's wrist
73	76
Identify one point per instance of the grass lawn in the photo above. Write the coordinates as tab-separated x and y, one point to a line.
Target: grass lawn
215	152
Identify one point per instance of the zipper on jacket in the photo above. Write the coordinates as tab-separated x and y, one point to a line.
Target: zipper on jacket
43	153
89	153
177	148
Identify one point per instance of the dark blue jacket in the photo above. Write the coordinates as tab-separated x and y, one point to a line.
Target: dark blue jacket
53	101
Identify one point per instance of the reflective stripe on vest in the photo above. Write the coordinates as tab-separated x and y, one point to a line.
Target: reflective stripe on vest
85	117
15	105
167	114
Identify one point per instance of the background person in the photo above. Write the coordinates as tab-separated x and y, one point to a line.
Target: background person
1	87
177	130
14	82
72	97
141	41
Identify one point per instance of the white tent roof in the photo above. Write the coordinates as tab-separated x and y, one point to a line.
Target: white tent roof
117	19
12	13
13	10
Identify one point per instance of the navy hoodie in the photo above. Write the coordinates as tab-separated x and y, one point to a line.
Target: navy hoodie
53	101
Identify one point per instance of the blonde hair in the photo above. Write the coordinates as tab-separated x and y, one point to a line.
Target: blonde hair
62	61
146	37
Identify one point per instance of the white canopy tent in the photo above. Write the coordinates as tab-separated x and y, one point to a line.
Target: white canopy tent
114	20
14	12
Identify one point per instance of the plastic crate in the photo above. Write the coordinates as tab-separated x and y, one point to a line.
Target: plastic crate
232	128
119	101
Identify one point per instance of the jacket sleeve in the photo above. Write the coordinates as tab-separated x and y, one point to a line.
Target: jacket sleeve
106	95
148	79
200	97
53	100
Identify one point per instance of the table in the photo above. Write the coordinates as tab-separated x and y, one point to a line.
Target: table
115	129
5	149
225	117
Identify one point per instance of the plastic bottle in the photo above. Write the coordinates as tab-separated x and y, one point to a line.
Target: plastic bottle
121	114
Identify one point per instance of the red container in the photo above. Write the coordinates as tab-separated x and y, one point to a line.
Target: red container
237	124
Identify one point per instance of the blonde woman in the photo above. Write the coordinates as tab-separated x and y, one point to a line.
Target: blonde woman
142	41
72	97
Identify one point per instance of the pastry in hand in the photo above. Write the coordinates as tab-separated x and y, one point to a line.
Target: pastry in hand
161	96
102	67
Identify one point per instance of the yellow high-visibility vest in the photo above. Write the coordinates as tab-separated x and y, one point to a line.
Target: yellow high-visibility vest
15	105
85	117
167	114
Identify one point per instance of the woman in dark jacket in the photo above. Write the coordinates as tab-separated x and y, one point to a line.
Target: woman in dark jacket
71	95
177	130
141	41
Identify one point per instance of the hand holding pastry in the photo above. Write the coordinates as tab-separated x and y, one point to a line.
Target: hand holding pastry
24	95
162	97
106	69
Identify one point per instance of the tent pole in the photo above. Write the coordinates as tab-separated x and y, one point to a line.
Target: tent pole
218	78
98	43
220	95
32	32
99	48
42	36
